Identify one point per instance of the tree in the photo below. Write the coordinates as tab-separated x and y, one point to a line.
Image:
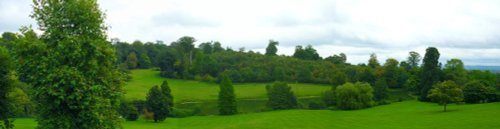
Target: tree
454	70
227	98
446	92
430	72
308	53
391	72
380	89
373	62
158	103
166	61
477	91
271	48
280	96
354	96
71	66
165	89
413	59
144	61
6	68
338	78
132	60
337	59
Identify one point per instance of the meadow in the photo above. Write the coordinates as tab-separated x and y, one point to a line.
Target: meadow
190	90
400	115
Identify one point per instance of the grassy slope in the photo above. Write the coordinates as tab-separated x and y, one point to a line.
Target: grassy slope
403	115
188	90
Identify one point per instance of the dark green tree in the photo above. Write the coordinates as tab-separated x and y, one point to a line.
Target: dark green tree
373	62
166	61
477	91
380	90
167	92
413	59
430	72
158	103
391	73
446	92
271	48
308	53
71	68
227	98
280	96
6	69
337	59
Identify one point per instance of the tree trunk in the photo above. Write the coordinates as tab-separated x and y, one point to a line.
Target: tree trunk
445	107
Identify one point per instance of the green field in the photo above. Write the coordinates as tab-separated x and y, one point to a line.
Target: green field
189	90
402	115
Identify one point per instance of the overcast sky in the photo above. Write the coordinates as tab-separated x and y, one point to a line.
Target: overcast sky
468	29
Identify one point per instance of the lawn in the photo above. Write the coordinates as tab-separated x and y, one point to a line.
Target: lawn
189	90
402	115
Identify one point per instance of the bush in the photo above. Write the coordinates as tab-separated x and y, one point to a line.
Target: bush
477	92
354	96
328	98
280	96
132	114
180	113
316	105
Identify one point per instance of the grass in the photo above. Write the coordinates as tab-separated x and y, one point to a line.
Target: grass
402	115
189	90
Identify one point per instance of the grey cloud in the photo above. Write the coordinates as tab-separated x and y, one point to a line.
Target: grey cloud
182	19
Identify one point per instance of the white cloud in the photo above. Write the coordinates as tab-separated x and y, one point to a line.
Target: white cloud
466	29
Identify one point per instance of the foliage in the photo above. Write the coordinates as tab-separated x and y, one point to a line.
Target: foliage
271	48
373	62
6	80
430	72
391	73
280	96
132	60
413	59
227	98
454	70
71	66
316	105
157	103
165	89
354	96
308	53
446	92
328	97
380	90
337	59
477	91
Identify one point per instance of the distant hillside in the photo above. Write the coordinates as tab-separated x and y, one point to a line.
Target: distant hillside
495	69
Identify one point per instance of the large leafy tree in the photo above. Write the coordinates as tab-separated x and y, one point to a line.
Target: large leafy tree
158	103
6	81
446	92
413	59
354	96
72	67
454	70
478	91
132	60
271	48
431	73
380	89
391	72
227	98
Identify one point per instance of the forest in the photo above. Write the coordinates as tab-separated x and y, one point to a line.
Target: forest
70	75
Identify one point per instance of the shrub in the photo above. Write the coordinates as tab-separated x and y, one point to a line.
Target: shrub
477	92
354	96
280	96
316	105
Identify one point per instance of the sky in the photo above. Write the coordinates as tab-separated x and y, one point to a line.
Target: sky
464	29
